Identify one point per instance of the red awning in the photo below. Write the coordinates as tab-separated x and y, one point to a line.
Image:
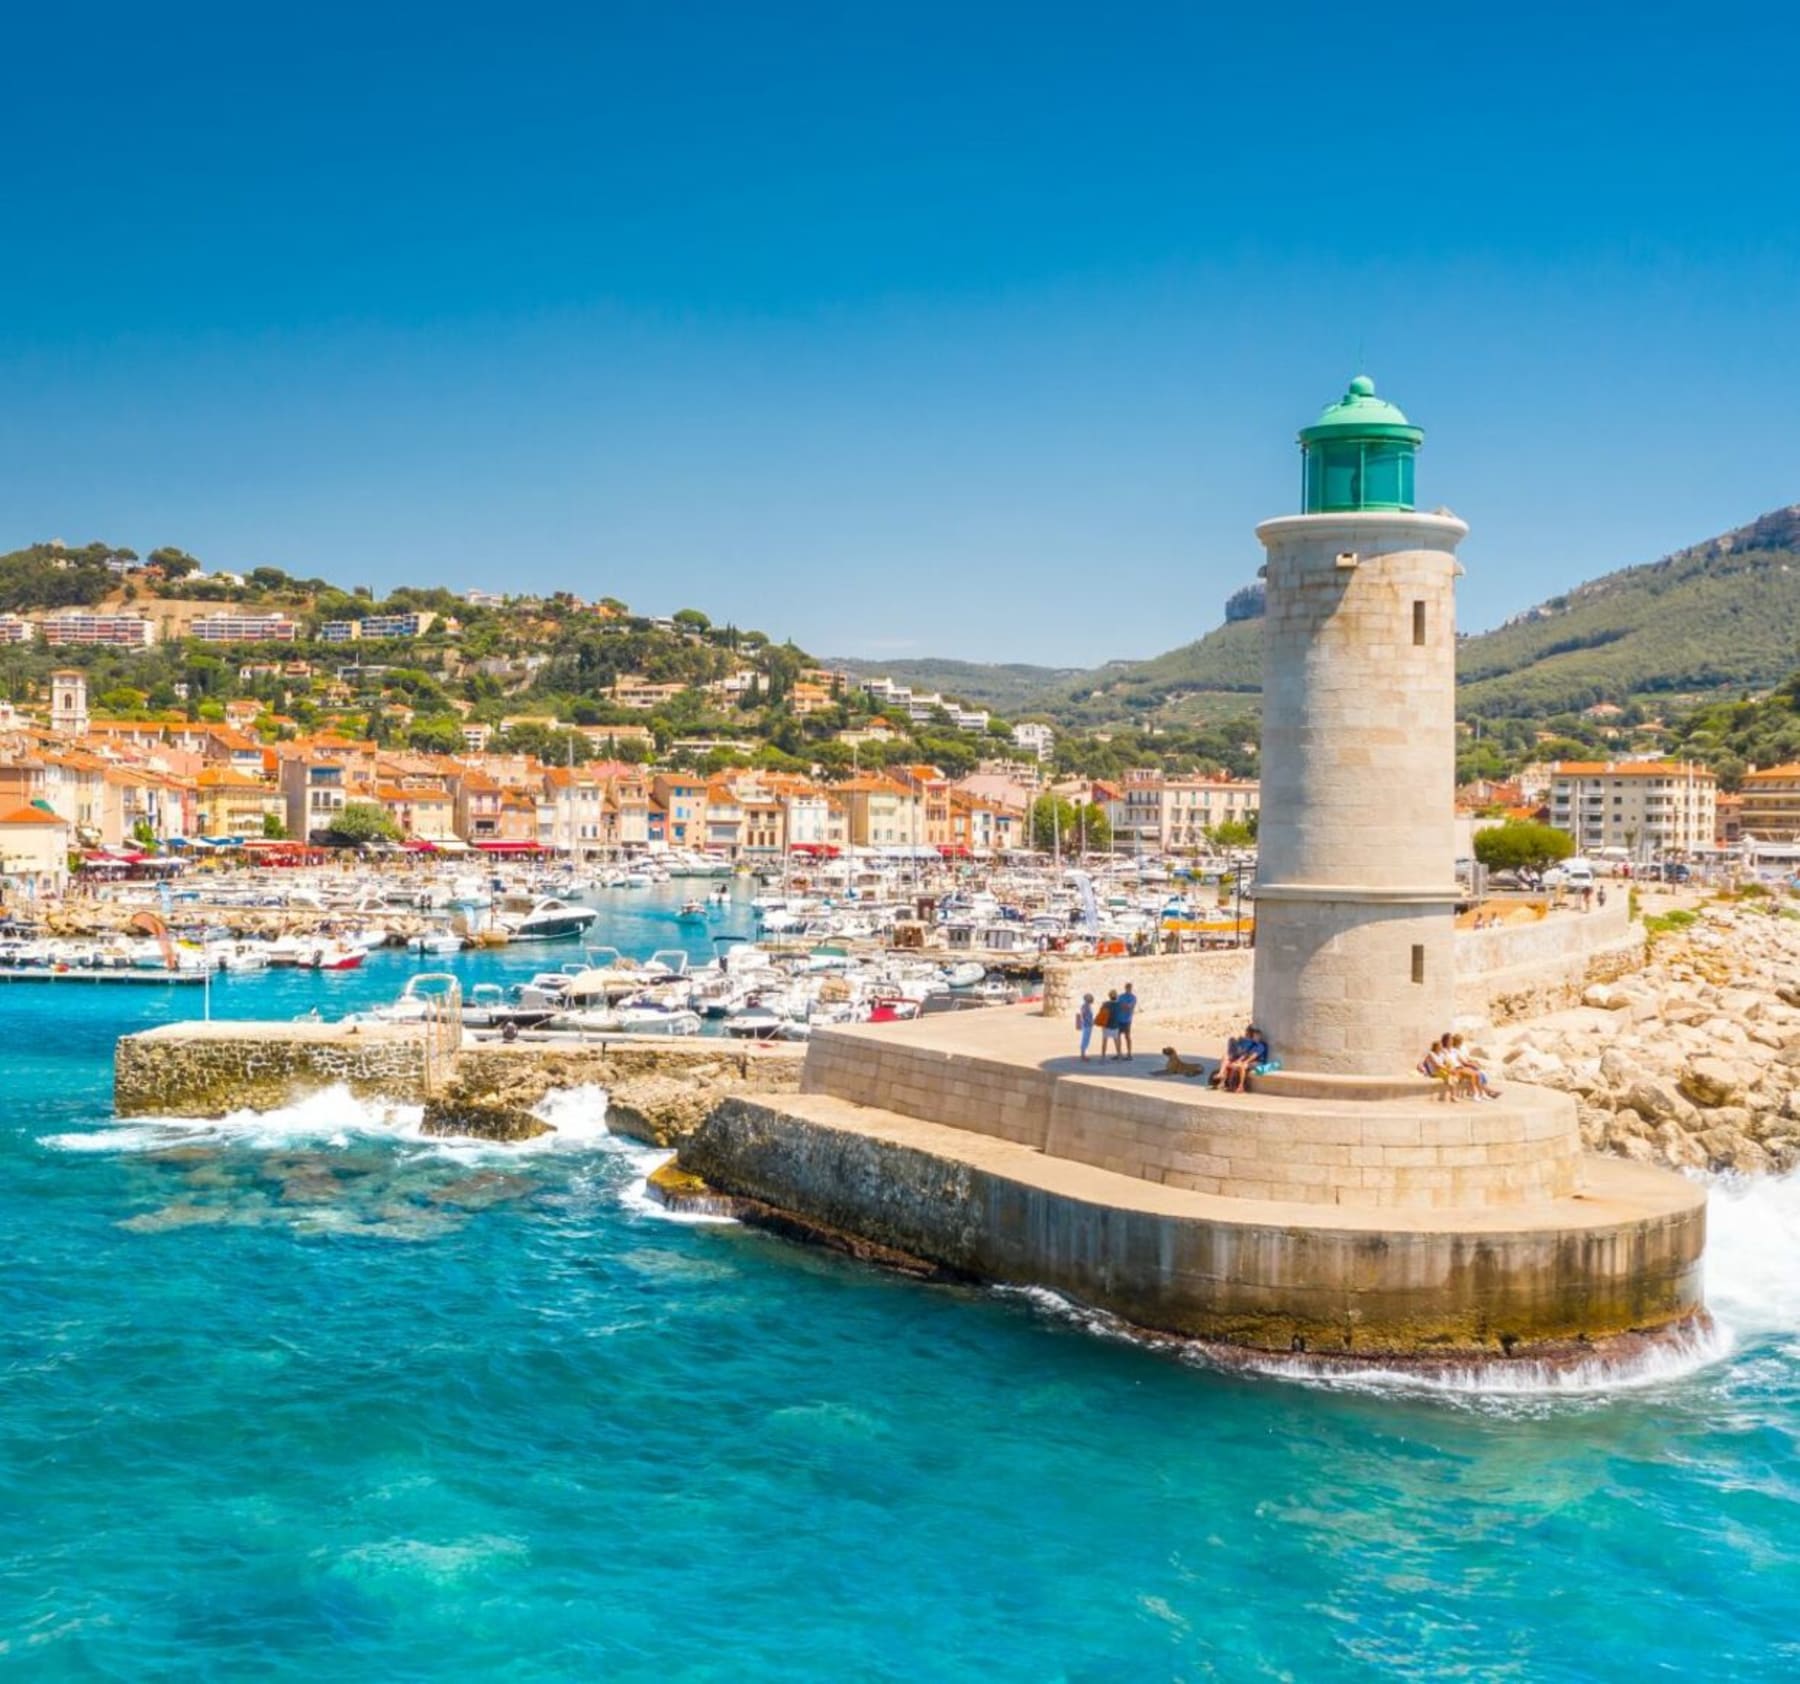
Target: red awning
953	851
818	850
418	845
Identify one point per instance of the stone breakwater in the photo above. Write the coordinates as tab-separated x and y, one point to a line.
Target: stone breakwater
1531	965
212	1069
1564	1279
658	1090
1692	1061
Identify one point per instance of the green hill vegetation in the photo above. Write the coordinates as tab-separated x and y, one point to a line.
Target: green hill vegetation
1732	736
1723	616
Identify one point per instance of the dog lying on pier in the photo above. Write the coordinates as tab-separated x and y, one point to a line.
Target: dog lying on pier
1179	1066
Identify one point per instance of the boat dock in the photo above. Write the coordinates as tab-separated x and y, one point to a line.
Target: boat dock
78	973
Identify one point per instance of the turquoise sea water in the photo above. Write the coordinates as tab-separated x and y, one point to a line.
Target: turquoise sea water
302	1397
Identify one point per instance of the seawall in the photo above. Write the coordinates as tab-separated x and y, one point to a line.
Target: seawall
209	1069
658	1087
1623	1258
1512	971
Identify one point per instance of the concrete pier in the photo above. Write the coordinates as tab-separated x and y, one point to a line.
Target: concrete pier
1395	1226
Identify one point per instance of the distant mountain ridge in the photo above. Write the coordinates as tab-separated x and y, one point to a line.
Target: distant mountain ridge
1719	617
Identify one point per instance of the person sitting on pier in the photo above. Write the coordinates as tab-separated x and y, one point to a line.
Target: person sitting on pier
1465	1062
1252	1051
1234	1050
1441	1065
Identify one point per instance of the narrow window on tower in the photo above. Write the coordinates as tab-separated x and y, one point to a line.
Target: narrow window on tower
1418	964
1418	625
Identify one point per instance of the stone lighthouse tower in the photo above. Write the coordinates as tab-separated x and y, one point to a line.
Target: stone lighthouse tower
1356	878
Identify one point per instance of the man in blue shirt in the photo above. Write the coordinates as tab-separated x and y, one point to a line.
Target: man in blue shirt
1124	1010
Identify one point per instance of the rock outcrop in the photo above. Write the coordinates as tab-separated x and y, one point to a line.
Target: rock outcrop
659	1091
1694	1061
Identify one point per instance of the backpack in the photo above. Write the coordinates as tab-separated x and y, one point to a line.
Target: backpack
1104	1016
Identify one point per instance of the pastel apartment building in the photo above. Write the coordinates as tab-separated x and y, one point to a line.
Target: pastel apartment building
77	627
244	628
1641	807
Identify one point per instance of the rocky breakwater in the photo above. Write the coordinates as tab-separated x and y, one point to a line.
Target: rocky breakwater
658	1090
1692	1062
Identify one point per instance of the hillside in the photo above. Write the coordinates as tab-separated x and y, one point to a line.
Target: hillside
1716	619
1722	616
1008	689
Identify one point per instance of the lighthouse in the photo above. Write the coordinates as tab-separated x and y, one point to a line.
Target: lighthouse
1356	878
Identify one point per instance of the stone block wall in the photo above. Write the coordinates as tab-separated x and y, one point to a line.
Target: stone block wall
1515	971
208	1070
1169	986
1526	970
1325	1287
1408	1154
985	1096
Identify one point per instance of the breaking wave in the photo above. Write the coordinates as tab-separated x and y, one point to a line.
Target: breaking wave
1752	1289
336	1118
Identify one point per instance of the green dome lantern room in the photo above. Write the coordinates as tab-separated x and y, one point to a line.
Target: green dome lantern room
1359	454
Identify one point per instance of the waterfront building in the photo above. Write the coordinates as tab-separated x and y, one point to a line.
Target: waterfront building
34	853
682	802
1646	808
244	628
1151	812
231	803
881	813
1768	807
79	626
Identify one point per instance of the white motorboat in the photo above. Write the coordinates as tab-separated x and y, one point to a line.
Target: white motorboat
547	988
551	919
969	974
440	942
607	976
751	1022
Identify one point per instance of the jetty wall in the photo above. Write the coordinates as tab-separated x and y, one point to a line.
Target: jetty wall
1524	970
1415	1155
1511	971
658	1088
1270	1278
209	1069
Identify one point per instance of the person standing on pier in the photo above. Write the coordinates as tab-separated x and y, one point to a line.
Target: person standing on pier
1124	1010
1084	1023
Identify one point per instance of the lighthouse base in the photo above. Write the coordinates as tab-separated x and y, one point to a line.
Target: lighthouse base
914	1145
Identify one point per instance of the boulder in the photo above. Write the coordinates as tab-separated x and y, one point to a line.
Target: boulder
1619	1068
1657	1100
1730	1151
1528	1063
1712	1081
1679	1149
1605	997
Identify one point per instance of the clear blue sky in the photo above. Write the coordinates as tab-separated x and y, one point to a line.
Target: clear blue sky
967	330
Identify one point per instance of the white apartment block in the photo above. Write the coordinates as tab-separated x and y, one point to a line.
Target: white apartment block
244	628
76	626
15	628
1174	814
1642	807
1035	739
